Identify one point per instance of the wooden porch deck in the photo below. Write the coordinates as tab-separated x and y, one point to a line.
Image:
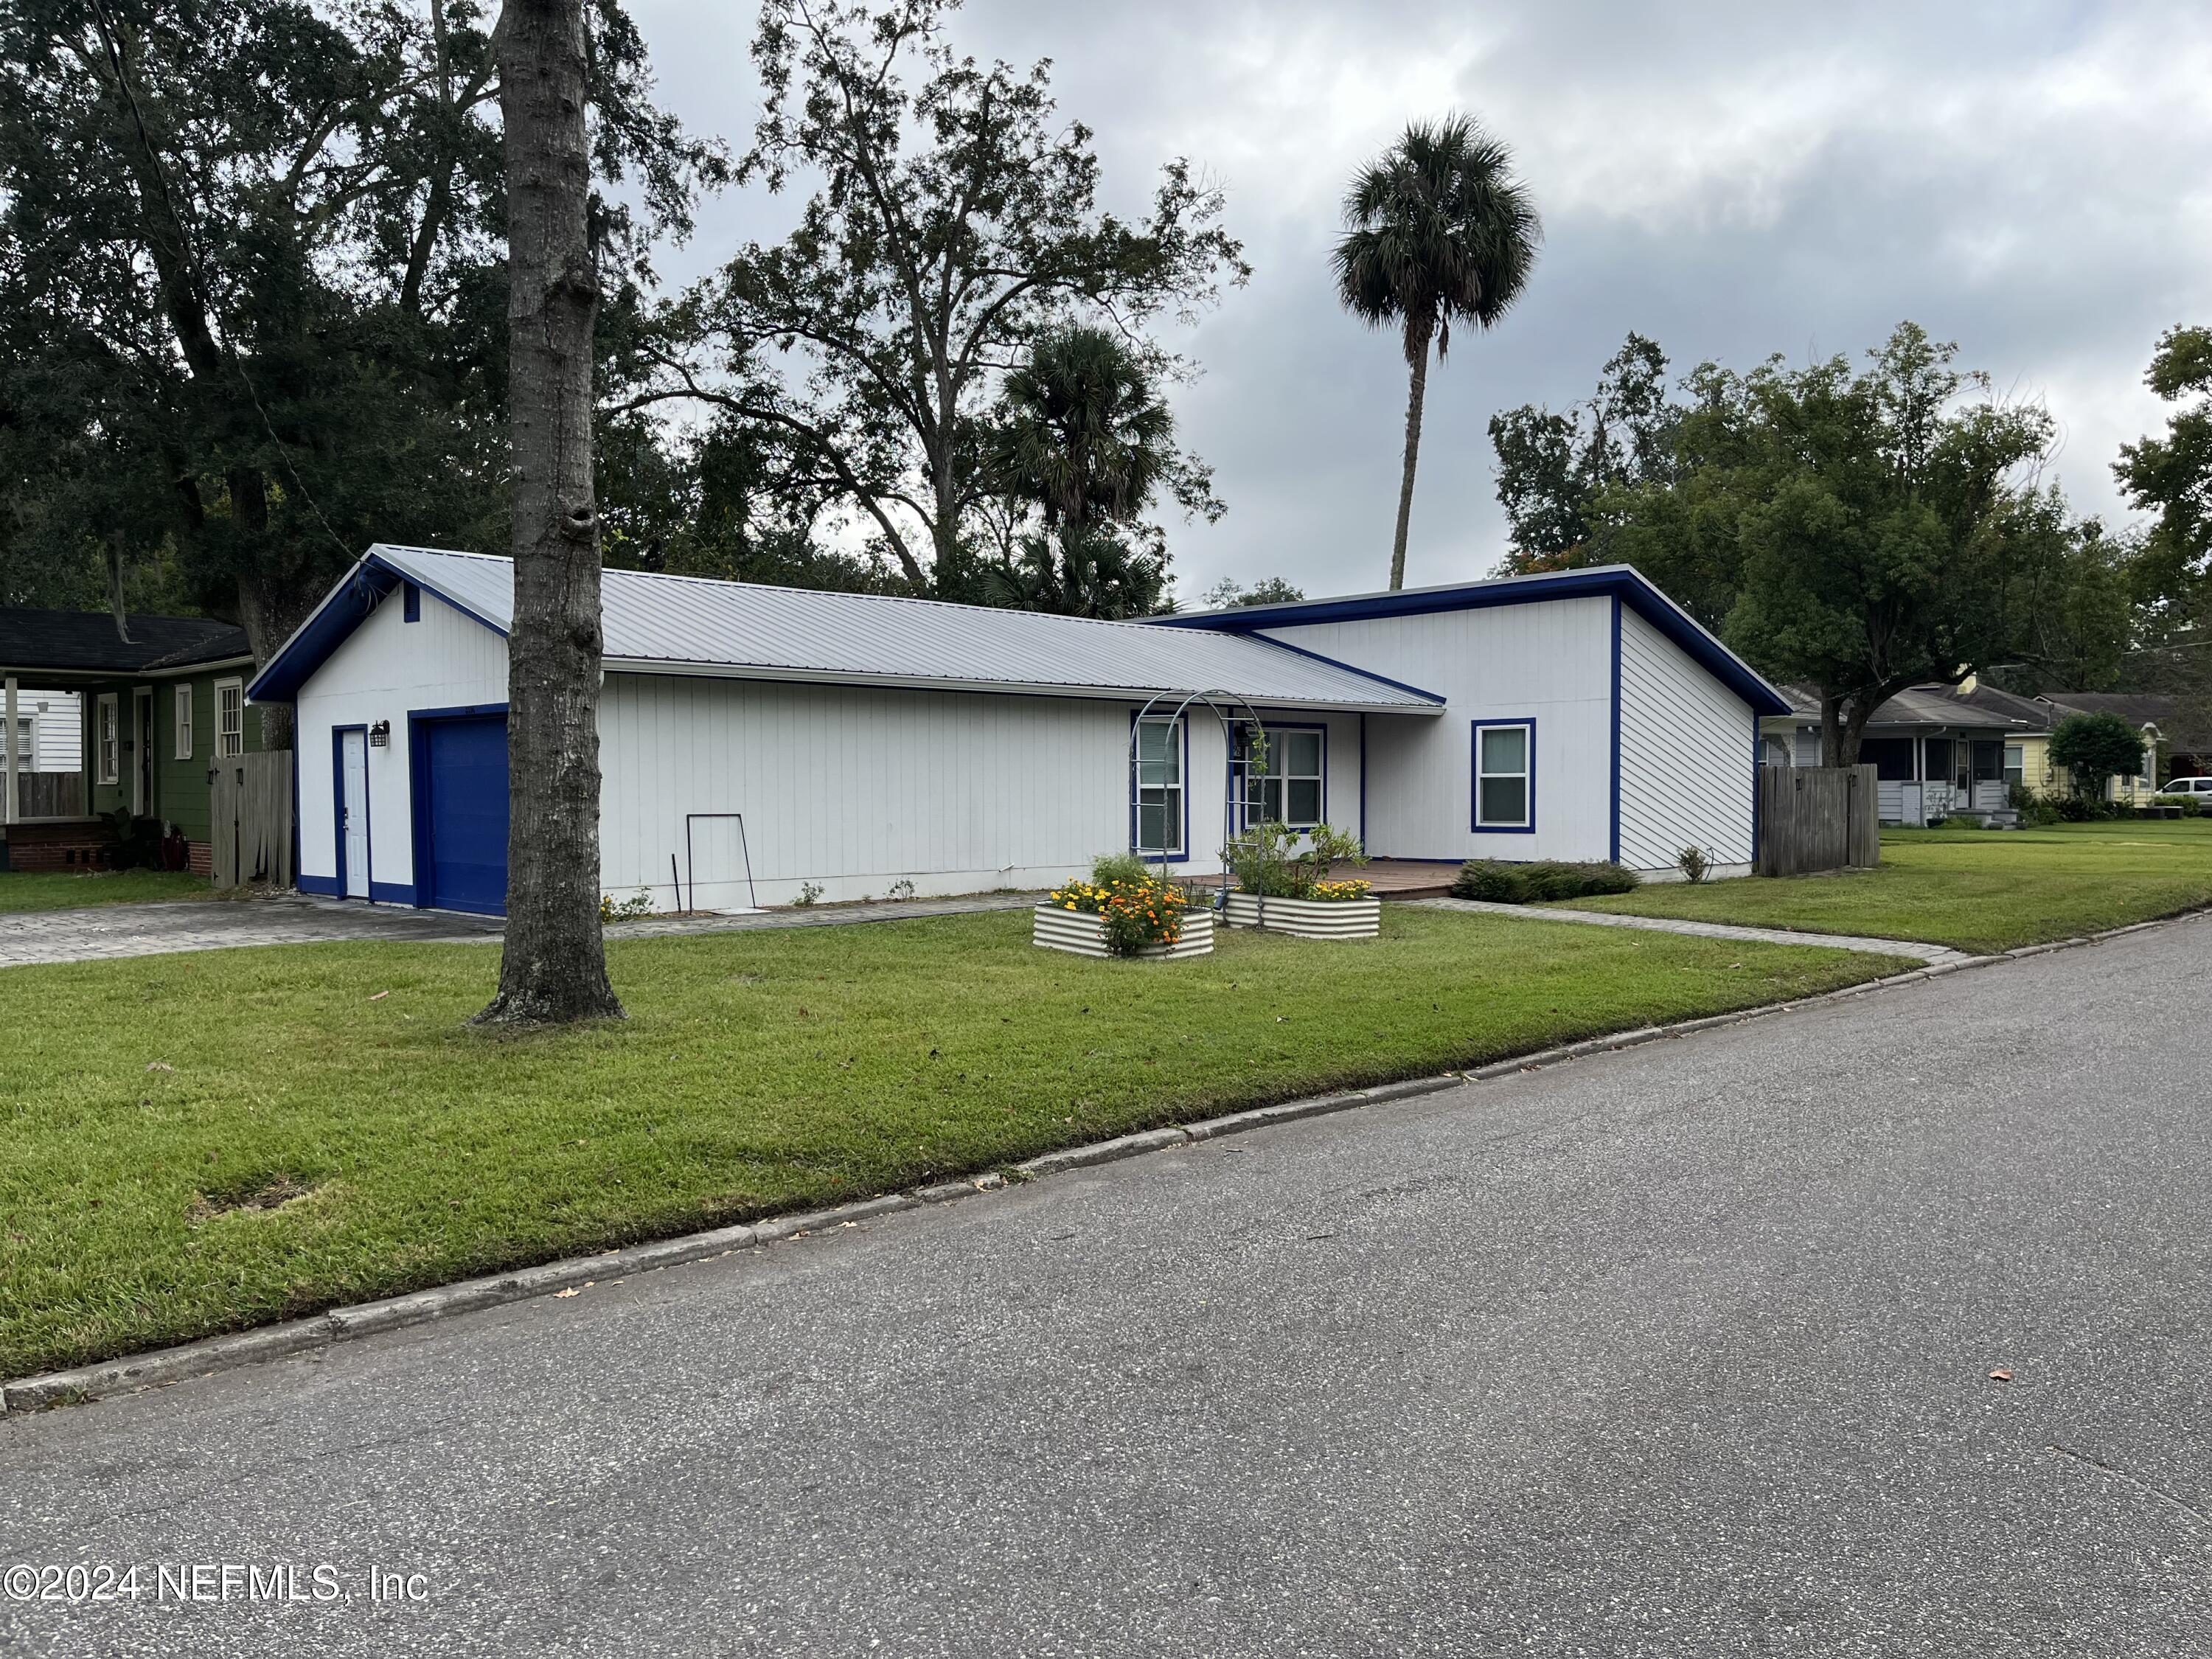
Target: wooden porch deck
1401	878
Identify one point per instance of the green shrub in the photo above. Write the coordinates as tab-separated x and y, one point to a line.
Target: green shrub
1125	868
1693	864
1262	861
1500	883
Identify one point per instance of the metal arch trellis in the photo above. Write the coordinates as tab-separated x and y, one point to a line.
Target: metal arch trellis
1227	717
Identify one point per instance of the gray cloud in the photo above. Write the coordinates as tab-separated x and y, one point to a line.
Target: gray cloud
1735	179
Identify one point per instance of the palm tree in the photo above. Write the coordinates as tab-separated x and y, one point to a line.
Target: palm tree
1081	434
1439	231
1081	438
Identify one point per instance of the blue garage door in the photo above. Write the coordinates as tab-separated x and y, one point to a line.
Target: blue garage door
463	783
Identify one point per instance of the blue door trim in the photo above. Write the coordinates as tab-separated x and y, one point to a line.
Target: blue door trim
424	890
337	809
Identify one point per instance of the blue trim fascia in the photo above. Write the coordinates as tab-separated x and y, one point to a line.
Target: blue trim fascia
391	892
1436	697
1615	854
327	885
1621	580
418	791
346	607
1183	857
1475	824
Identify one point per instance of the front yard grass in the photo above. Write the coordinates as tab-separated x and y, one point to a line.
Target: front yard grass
194	1144
1973	890
66	889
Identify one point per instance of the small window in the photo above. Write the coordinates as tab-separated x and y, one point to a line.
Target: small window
107	744
1505	777
182	704
411	602
229	718
27	742
2015	765
1288	789
1159	787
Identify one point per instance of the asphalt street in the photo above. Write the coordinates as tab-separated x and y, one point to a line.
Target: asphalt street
1685	1350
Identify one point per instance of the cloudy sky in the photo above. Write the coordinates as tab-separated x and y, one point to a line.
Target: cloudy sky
2032	179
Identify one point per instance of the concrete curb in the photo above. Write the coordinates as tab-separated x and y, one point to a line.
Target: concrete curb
219	1353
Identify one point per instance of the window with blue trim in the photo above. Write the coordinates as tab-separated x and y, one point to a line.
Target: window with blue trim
411	602
1159	786
1287	789
1504	781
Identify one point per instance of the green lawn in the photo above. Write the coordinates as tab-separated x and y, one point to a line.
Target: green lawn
1974	890
65	890
196	1143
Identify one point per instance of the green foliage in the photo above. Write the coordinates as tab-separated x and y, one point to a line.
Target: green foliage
1873	524
252	286
635	908
955	222
1553	469
1268	590
1539	880
1268	859
808	893
1693	864
2093	748
2171	475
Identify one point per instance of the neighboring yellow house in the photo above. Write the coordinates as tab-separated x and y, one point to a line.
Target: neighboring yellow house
2176	741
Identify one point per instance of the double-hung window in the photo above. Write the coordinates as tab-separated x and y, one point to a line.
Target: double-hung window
27	742
1505	776
2015	764
229	718
107	739
1285	789
1159	787
180	700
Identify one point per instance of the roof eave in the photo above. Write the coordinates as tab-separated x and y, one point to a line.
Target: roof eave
772	673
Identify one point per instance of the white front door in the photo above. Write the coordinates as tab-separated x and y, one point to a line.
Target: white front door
353	811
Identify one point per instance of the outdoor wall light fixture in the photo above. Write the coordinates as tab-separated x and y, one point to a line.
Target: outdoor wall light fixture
379	735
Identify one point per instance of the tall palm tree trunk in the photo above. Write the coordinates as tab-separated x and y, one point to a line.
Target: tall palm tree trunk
1417	359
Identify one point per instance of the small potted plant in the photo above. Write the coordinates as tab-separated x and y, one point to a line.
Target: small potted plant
1291	891
1126	909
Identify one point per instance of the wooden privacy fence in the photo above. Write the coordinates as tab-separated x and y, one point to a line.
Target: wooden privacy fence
250	819
1818	817
49	795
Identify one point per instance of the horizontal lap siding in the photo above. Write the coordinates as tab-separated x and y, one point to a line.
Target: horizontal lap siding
1685	755
385	669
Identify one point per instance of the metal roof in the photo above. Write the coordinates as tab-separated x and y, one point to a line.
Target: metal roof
693	625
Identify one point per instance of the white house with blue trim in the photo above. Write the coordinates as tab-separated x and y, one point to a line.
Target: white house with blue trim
756	741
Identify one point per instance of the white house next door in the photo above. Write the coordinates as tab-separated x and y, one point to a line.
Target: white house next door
353	811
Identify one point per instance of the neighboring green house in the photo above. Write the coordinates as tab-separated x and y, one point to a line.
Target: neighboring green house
159	709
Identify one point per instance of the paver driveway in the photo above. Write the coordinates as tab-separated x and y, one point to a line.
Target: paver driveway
1679	1350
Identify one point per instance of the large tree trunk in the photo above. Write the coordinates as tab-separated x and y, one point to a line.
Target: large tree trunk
1417	360
554	967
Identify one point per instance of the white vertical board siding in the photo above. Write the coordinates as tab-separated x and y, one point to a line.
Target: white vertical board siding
1686	758
855	789
1550	661
385	669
